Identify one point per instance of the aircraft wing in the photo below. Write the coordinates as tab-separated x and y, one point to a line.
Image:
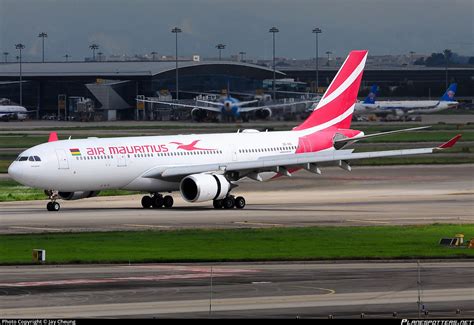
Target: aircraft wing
240	104
355	139
255	108
282	163
209	102
214	109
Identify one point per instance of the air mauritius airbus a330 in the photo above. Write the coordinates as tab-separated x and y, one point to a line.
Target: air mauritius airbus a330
204	167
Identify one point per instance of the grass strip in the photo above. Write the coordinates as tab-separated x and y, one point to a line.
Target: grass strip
271	244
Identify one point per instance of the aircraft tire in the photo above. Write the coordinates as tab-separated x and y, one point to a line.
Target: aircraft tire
168	201
217	204
55	206
228	202
146	202
239	202
157	201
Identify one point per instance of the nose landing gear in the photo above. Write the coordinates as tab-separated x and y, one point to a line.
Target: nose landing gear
53	196
53	206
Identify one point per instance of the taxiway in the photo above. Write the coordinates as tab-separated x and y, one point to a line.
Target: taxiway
341	289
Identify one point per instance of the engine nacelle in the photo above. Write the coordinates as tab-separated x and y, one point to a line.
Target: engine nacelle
204	187
77	195
263	113
198	114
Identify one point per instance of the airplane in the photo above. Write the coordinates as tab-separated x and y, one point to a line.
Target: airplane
13	112
228	107
401	108
205	167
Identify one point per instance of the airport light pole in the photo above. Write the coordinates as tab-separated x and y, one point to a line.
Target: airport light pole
176	31
273	30
99	56
43	35
411	56
447	55
5	54
317	31
328	53
220	47
242	56
93	47
20	47
67	56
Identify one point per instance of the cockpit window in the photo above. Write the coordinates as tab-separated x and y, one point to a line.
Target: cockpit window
23	158
37	158
31	158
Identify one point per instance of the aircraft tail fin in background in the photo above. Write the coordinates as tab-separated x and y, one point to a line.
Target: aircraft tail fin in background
450	92
370	99
53	136
337	104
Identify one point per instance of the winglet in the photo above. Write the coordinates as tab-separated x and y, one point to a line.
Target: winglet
53	136
450	143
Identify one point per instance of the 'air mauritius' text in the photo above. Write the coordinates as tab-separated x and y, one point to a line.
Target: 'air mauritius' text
147	148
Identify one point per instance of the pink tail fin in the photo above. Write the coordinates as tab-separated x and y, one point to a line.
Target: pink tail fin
337	105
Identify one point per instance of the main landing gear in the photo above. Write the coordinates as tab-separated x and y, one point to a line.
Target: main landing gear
53	205
230	202
157	201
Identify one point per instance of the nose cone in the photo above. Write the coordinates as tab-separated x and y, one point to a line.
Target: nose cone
14	171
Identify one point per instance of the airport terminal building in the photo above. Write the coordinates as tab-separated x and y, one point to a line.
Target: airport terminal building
112	87
109	89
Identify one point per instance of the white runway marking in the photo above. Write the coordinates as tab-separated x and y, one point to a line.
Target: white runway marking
258	223
35	228
144	226
368	221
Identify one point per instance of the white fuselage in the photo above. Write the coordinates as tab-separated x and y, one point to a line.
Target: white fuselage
95	164
405	107
9	111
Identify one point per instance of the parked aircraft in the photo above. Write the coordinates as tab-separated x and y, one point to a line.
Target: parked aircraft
205	167
400	108
227	107
13	112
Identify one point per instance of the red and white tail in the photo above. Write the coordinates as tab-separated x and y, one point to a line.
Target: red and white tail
337	104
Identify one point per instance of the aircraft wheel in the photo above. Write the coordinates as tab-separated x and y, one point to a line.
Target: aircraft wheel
168	201
217	204
147	202
55	206
157	201
228	202
49	206
239	202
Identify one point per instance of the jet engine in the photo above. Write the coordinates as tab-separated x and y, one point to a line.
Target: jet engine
263	113
198	114
204	187
77	195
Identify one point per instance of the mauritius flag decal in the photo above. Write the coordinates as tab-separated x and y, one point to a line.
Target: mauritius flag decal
75	152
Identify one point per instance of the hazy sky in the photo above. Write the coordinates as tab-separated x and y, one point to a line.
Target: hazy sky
142	26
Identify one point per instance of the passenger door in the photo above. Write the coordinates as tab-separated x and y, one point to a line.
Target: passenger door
62	159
